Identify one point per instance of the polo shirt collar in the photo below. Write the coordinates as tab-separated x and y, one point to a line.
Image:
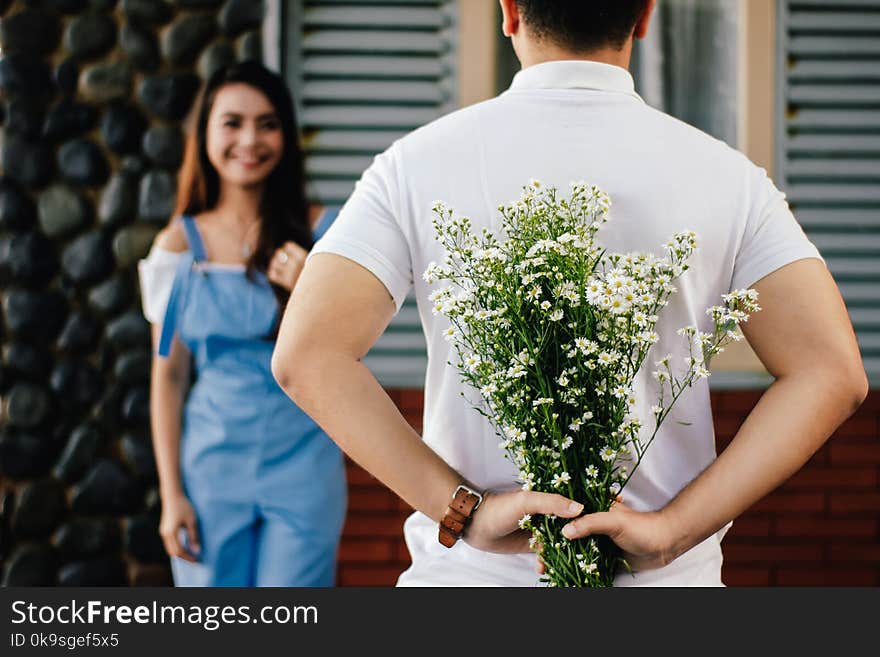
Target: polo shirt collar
575	74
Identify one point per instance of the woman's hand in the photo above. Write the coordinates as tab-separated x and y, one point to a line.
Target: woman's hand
177	513
286	265
495	524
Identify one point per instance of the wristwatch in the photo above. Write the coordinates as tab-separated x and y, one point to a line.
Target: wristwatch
465	502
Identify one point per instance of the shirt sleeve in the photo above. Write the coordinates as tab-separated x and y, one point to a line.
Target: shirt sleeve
772	238
367	230
156	273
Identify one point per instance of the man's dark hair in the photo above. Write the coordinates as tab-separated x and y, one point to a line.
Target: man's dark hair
582	25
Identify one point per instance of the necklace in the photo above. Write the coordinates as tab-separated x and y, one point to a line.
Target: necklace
246	248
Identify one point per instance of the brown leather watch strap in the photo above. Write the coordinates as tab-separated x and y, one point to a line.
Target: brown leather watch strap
458	513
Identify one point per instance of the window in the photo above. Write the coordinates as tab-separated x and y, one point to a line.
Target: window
364	73
828	146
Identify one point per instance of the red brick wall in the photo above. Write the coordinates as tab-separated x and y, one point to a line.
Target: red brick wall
821	528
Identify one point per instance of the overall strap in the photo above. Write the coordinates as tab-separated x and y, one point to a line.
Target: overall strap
194	238
169	324
327	218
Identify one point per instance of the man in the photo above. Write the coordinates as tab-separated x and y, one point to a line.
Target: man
570	114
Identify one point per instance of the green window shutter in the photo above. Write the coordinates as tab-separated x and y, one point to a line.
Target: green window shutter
364	73
828	145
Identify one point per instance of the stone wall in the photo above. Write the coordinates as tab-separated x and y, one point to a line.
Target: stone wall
93	95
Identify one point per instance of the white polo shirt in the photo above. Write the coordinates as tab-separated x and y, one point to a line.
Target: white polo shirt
563	121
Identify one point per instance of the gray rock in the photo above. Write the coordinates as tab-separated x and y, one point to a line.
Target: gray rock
24	454
215	57
147	12
142	539
103	571
87	537
156	196
34	315
134	165
141	47
153	502
106	82
88	258
69	119
169	96
155	574
41	506
62	211
5	255
80	334
28	259
240	16
6	501
25	74
17	210
136	407
67	76
79	453
28	360
133	368
65	6
250	47
23	117
90	35
112	296
198	4
106	488
108	412
76	383
118	203
137	451
163	144
32	564
31	31
25	161
129	330
133	243
187	37
27	405
82	162
122	128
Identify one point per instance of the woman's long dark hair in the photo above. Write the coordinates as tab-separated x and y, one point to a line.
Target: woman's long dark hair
283	208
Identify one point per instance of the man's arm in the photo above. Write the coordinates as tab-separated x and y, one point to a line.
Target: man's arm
804	338
337	311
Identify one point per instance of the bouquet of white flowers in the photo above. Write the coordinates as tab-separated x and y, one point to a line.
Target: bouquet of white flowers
551	330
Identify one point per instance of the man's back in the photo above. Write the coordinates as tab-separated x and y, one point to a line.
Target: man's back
560	122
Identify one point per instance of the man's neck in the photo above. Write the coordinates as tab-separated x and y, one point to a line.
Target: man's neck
551	53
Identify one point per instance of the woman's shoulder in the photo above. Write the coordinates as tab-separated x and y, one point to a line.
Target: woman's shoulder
172	238
323	218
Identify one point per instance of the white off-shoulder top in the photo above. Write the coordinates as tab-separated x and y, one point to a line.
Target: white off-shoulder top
156	275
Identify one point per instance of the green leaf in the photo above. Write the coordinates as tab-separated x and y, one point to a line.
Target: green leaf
687	424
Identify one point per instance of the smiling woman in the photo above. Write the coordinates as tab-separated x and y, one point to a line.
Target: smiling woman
253	492
245	141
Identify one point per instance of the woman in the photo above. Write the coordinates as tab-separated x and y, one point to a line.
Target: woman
253	492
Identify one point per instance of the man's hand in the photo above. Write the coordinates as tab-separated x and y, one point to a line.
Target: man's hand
645	538
495	525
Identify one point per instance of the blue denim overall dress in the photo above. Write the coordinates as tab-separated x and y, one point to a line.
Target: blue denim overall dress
267	484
